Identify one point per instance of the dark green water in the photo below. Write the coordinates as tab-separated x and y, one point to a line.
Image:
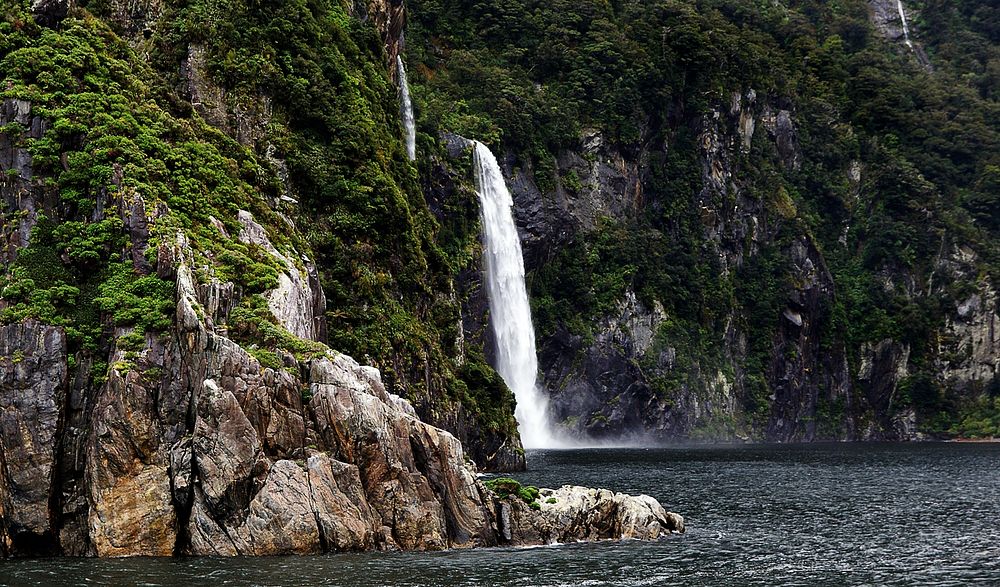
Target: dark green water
867	514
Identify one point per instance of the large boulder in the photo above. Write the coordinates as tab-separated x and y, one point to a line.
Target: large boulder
573	513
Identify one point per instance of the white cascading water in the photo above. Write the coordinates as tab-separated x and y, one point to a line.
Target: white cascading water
406	109
906	26
510	313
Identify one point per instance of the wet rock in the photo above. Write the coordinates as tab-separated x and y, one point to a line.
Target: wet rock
33	380
572	514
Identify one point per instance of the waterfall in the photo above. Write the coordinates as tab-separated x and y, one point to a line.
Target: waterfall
406	109
906	27
510	313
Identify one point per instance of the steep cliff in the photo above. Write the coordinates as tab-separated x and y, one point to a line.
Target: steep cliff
773	223
168	381
306	90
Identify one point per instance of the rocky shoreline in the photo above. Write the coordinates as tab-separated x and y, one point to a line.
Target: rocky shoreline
192	447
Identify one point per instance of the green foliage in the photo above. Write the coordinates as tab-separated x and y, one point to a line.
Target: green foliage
254	326
506	487
979	418
528	76
144	301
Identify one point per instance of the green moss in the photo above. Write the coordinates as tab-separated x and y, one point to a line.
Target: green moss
506	487
253	325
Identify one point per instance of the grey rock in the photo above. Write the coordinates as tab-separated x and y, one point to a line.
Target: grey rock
33	380
573	514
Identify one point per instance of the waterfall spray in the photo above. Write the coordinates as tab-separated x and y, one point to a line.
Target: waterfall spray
510	313
406	110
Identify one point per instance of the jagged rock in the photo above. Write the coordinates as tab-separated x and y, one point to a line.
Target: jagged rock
191	445
295	303
573	513
414	474
127	466
780	127
389	18
16	192
33	380
49	13
883	366
971	345
455	145
226	451
280	518
346	521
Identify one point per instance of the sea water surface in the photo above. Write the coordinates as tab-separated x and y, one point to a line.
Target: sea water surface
831	514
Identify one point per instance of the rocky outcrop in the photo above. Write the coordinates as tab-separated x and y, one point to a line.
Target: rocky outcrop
298	302
885	16
806	377
389	18
18	192
970	354
609	367
50	12
191	446
593	181
573	514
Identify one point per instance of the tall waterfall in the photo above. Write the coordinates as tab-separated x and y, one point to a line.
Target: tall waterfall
406	109
508	299
906	26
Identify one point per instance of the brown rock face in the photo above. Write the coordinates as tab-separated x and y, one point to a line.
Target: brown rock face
192	447
389	17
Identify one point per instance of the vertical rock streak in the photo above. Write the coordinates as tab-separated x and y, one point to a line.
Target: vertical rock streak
406	109
510	313
906	27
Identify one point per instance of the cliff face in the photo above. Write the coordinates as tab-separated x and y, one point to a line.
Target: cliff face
165	383
195	448
735	222
609	382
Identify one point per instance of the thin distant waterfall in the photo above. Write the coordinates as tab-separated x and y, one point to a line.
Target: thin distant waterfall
406	109
510	313
906	27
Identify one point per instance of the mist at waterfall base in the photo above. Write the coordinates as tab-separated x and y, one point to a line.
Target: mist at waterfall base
406	110
510	313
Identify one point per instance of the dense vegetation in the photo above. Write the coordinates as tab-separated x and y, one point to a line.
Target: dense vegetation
530	76
109	144
305	126
123	130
